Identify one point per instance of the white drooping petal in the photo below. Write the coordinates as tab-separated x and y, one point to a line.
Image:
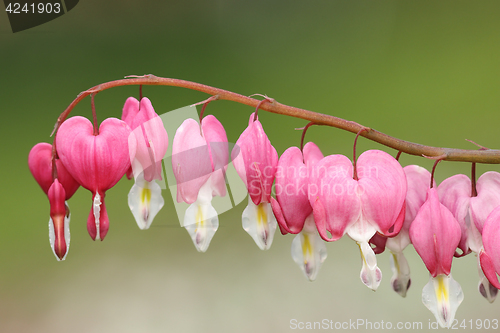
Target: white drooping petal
370	274
97	214
259	222
52	236
309	250
486	289
442	295
145	201
201	220
400	280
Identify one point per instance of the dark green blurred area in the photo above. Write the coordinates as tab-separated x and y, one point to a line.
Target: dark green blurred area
423	71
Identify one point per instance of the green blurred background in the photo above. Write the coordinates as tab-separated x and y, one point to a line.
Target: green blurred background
423	71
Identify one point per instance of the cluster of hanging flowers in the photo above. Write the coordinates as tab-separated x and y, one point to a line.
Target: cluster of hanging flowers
371	199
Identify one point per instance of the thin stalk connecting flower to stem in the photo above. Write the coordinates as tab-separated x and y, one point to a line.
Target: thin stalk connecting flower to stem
489	156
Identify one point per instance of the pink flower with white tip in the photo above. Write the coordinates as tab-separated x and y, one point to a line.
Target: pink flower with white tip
374	202
58	191
255	160
471	209
96	160
293	210
199	161
435	235
144	198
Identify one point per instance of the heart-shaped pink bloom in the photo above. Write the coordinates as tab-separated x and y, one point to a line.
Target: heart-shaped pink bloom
97	162
291	206
435	234
255	160
150	135
199	160
197	155
374	202
490	256
40	164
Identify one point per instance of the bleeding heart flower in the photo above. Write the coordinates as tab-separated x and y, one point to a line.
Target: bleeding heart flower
471	212
145	199
97	162
150	135
199	161
293	211
58	191
372	203
435	234
255	160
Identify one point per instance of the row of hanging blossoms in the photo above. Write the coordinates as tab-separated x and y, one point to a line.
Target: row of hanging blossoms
372	199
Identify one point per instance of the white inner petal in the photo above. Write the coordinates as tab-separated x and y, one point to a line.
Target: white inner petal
442	295
259	222
309	250
97	214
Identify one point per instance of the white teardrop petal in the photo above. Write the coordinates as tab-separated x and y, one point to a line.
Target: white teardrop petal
259	222
370	274
309	252
442	295
97	214
201	219
400	280
145	201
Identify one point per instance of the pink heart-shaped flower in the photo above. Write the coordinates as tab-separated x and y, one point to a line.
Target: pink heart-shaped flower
97	162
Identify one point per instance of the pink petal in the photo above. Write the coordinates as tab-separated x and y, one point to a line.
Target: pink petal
40	164
96	162
418	180
491	237
130	110
103	221
190	161
488	267
455	193
279	217
57	198
332	188
312	154
257	166
216	138
488	198
382	188
291	189
435	234
152	140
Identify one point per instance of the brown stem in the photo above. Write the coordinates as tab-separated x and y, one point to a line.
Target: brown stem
433	170
355	174
205	103
479	156
398	155
259	105
473	180
304	135
94	115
